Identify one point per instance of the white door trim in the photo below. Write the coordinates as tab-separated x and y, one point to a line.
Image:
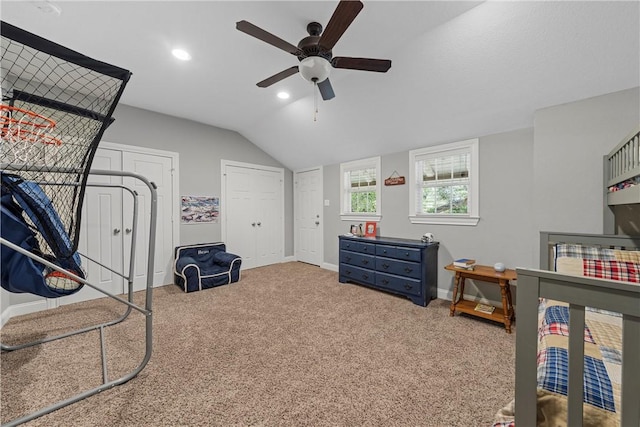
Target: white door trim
223	195
320	169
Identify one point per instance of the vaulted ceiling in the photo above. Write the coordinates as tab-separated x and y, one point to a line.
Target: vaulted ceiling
459	69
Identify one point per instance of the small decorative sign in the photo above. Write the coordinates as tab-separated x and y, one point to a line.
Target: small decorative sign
394	179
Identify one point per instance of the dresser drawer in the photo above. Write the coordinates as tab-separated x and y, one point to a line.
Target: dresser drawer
357	274
358	259
411	254
400	284
401	268
351	245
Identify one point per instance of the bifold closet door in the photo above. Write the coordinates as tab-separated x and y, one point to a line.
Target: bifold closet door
157	169
254	215
107	221
101	232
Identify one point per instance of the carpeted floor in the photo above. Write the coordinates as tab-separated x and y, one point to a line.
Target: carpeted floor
286	346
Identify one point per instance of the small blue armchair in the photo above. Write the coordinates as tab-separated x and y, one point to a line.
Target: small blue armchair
204	266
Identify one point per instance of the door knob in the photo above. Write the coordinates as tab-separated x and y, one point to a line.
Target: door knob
127	230
259	224
253	224
116	231
317	222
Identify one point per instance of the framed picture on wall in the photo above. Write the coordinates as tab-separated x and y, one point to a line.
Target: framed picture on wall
370	229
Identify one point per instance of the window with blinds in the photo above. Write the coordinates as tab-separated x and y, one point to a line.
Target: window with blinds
443	184
360	187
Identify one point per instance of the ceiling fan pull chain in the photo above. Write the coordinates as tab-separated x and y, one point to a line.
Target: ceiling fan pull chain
315	100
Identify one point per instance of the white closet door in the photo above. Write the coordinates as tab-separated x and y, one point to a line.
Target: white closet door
101	230
157	169
253	214
308	221
268	212
239	215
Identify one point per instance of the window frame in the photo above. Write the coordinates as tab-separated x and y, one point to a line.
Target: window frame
371	162
472	217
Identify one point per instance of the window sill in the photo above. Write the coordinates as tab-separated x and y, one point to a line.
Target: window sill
356	217
444	220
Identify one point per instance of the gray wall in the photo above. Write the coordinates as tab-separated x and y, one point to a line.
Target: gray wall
570	141
547	178
201	147
506	182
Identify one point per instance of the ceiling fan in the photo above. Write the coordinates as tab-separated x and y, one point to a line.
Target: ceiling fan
314	51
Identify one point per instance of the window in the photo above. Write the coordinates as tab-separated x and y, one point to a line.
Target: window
443	183
360	190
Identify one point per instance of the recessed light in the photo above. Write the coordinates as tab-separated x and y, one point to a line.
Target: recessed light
283	95
181	54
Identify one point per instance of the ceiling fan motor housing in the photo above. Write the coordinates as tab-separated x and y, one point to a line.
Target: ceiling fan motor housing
315	63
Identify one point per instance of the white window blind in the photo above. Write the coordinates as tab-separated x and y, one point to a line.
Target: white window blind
444	184
360	189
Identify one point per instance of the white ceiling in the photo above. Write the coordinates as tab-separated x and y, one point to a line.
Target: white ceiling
459	69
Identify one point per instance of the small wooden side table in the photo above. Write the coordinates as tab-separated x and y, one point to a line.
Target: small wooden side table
483	273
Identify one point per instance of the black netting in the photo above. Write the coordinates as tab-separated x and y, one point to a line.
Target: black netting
56	104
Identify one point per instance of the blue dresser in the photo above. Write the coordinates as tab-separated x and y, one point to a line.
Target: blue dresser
401	266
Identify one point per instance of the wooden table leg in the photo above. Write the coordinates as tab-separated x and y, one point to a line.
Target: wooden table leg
505	305
513	312
452	308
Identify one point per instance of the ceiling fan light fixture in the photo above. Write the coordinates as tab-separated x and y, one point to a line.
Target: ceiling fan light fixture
314	68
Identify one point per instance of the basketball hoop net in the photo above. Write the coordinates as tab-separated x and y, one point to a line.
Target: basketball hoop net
25	137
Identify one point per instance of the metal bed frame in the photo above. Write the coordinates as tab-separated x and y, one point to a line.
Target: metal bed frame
146	310
579	292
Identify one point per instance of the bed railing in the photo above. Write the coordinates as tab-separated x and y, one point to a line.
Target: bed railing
622	165
579	292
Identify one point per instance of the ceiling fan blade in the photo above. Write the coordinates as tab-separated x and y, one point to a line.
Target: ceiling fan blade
326	90
277	77
342	17
365	64
260	34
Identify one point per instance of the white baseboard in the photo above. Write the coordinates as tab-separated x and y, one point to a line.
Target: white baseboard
290	258
25	308
328	266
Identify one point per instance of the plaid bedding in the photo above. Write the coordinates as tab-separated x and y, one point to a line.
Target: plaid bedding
612	270
602	342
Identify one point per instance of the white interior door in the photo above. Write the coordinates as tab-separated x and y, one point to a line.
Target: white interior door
267	209
308	216
157	169
253	213
101	230
239	215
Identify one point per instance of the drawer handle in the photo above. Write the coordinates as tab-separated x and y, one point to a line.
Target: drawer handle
348	258
384	251
408	286
365	261
348	272
385	282
364	249
385	265
406	254
365	276
348	245
408	270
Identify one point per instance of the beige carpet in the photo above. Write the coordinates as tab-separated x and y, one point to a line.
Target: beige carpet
286	346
